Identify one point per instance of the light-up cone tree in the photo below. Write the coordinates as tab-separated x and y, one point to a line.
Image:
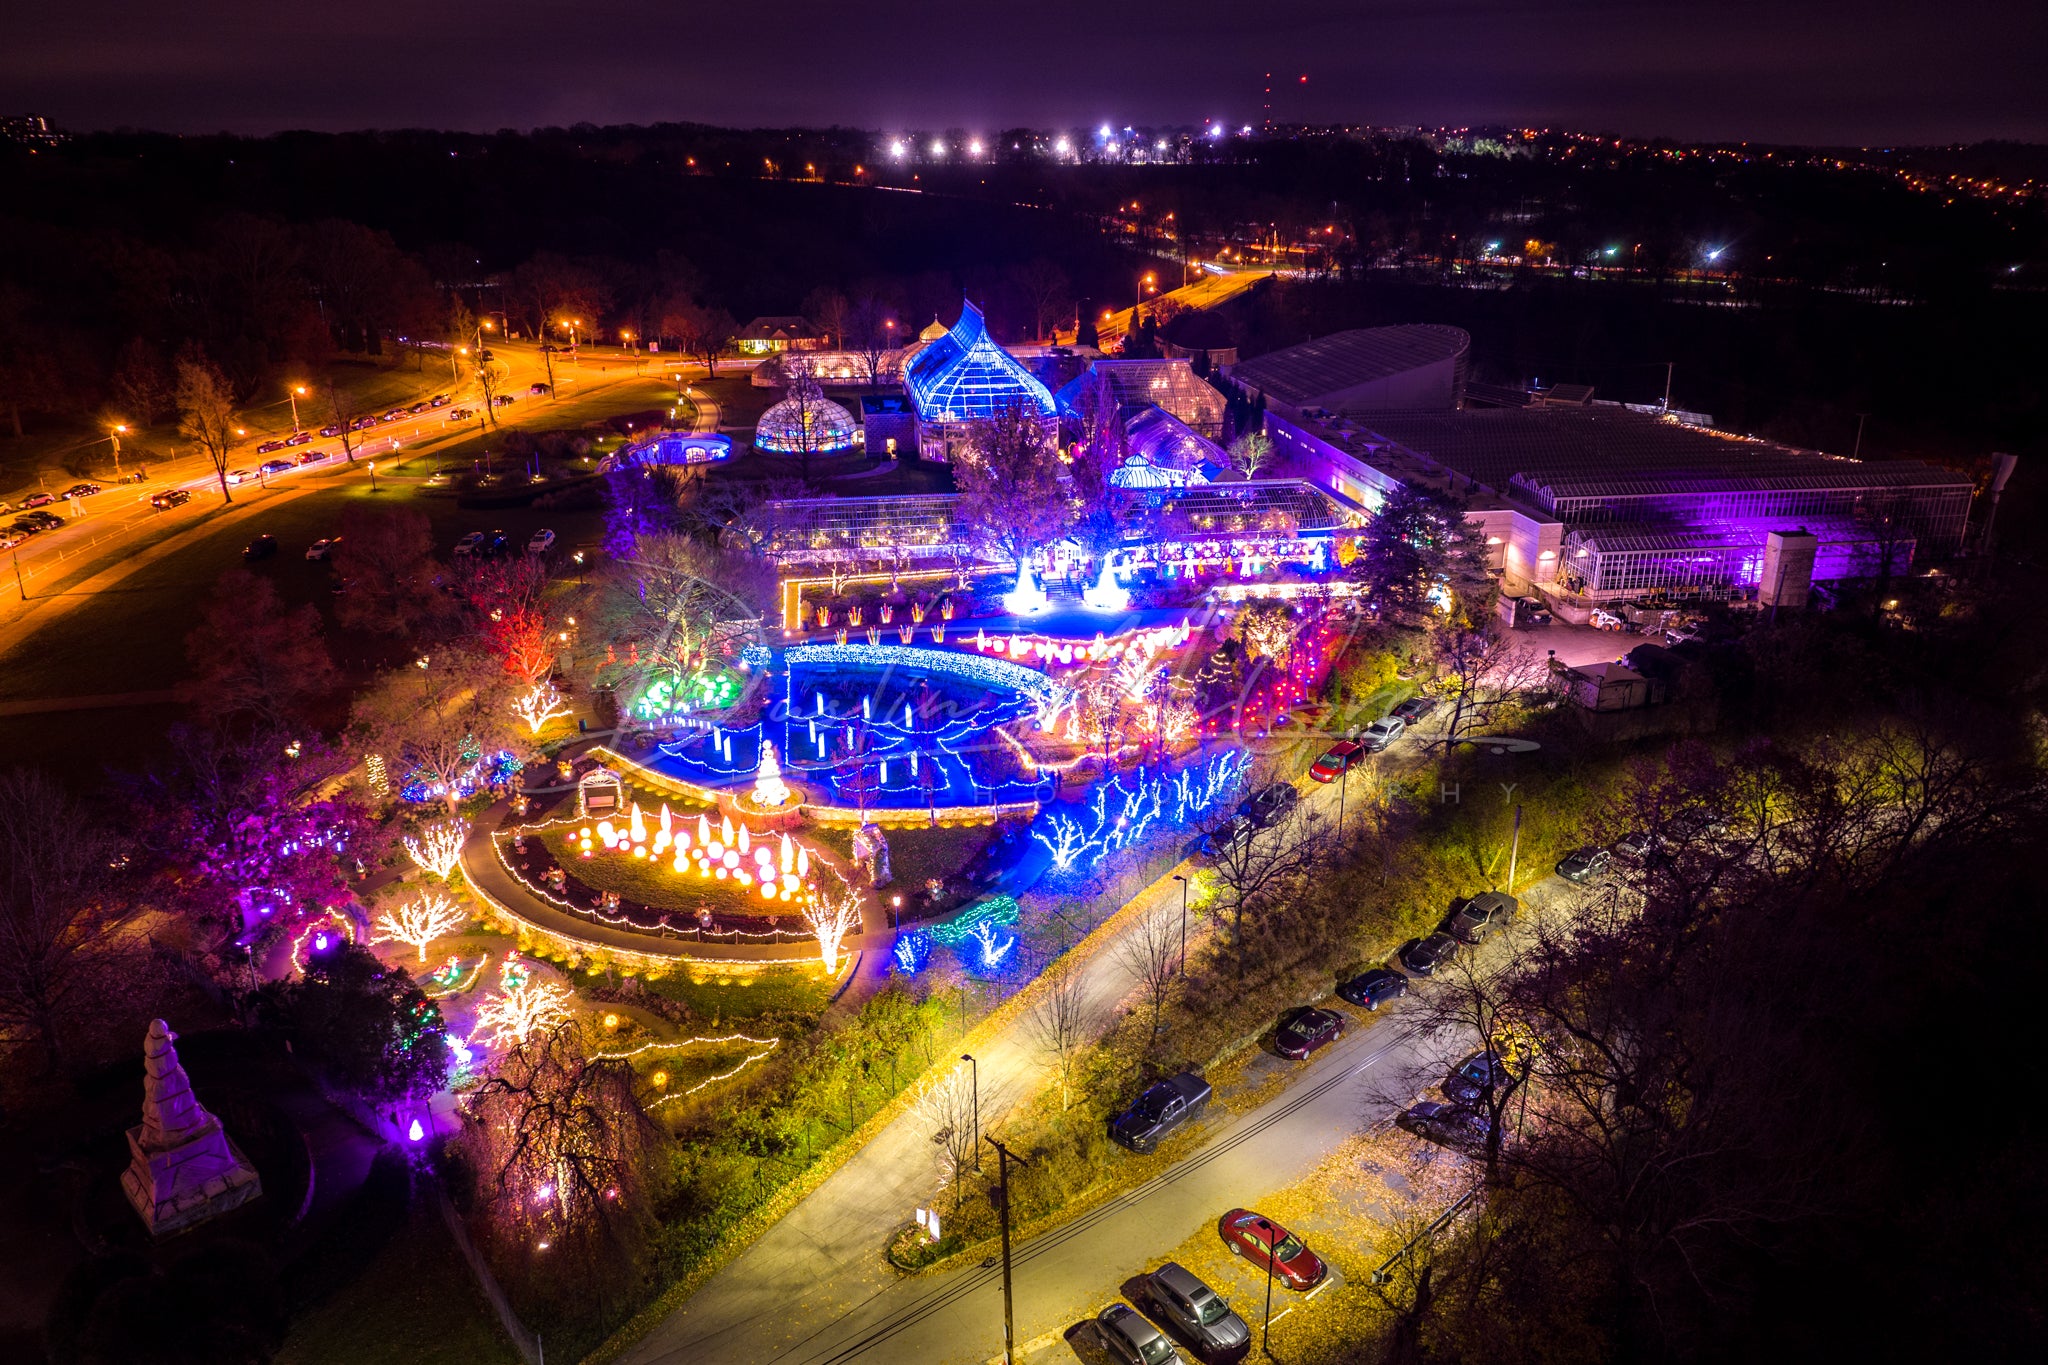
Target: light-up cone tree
770	790
430	915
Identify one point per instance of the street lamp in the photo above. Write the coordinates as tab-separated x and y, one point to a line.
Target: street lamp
1266	1329
297	392
373	488
968	1058
1183	922
120	430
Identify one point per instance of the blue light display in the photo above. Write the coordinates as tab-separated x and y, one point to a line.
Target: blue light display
912	951
1119	815
485	770
989	946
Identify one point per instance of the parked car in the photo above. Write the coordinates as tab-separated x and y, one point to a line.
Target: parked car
1473	1077
1425	955
5	506
315	456
439	400
496	543
394	415
38	500
537	390
1222	841
1164	1106
43	521
1201	1315
504	400
1448	1125
324	548
299	438
170	497
1306	1030
1584	864
417	408
263	547
467	545
540	542
10	539
238	477
279	466
1370	989
460	415
1693	824
1476	920
81	490
1413	709
331	429
1635	846
1263	1241
1270	806
362	424
264	448
1130	1337
1338	759
1382	733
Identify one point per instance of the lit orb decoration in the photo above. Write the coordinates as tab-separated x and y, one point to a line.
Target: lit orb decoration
1107	594
1027	598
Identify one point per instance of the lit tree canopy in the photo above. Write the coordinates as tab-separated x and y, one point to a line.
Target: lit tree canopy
1009	482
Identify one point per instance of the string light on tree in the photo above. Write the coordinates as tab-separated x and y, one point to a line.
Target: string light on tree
539	704
418	922
521	1007
438	846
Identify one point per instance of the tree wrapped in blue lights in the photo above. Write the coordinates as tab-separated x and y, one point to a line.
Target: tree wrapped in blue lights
911	952
1119	815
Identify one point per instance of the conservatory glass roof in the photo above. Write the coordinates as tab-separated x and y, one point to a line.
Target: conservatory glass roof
964	375
781	428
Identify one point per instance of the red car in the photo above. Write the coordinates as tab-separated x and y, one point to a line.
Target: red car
1341	758
1262	1241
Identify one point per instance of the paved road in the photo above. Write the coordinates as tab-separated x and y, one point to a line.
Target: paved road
815	1288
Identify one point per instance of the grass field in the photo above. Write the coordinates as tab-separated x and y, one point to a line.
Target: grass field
415	1305
734	999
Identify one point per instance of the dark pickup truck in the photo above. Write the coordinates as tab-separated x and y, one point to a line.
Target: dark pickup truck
1164	1106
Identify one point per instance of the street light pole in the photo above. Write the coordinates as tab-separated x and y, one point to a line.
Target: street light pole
119	427
373	476
1266	1328
968	1058
294	392
1003	1159
1183	922
1514	850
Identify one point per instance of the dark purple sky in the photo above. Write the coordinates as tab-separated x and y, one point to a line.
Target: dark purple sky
1852	71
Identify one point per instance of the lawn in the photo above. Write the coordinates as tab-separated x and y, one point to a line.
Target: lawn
733	1000
415	1304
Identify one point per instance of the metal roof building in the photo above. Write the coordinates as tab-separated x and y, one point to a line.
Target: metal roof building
1368	369
965	376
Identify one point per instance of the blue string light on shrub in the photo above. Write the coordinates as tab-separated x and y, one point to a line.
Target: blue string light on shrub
999	910
988	947
912	952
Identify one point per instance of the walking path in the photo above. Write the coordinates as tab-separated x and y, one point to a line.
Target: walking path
104	702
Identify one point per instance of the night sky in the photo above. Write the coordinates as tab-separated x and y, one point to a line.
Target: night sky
1843	71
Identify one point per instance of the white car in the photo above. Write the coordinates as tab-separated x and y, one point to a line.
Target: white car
1382	733
541	542
322	549
468	544
238	477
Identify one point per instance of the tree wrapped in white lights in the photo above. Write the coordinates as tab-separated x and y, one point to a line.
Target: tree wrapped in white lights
438	846
520	1010
833	912
419	922
539	704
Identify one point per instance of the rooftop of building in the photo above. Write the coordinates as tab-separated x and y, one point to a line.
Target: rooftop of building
965	375
778	328
1171	384
1301	375
1547	454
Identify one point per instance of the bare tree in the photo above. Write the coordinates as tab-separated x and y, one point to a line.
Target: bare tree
948	1112
58	910
345	409
206	412
491	374
1486	672
1250	453
1257	867
870	333
805	401
828	310
1008	476
1047	289
1151	952
1061	1020
439	720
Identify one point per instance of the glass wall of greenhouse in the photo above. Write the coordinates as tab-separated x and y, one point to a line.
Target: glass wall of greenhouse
795	426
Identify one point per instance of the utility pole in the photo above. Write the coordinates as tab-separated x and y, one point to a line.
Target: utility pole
1004	1156
1669	366
1861	418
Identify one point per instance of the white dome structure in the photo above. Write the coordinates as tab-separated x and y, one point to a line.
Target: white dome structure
800	425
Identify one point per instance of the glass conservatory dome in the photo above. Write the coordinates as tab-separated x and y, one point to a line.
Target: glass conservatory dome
781	428
964	376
